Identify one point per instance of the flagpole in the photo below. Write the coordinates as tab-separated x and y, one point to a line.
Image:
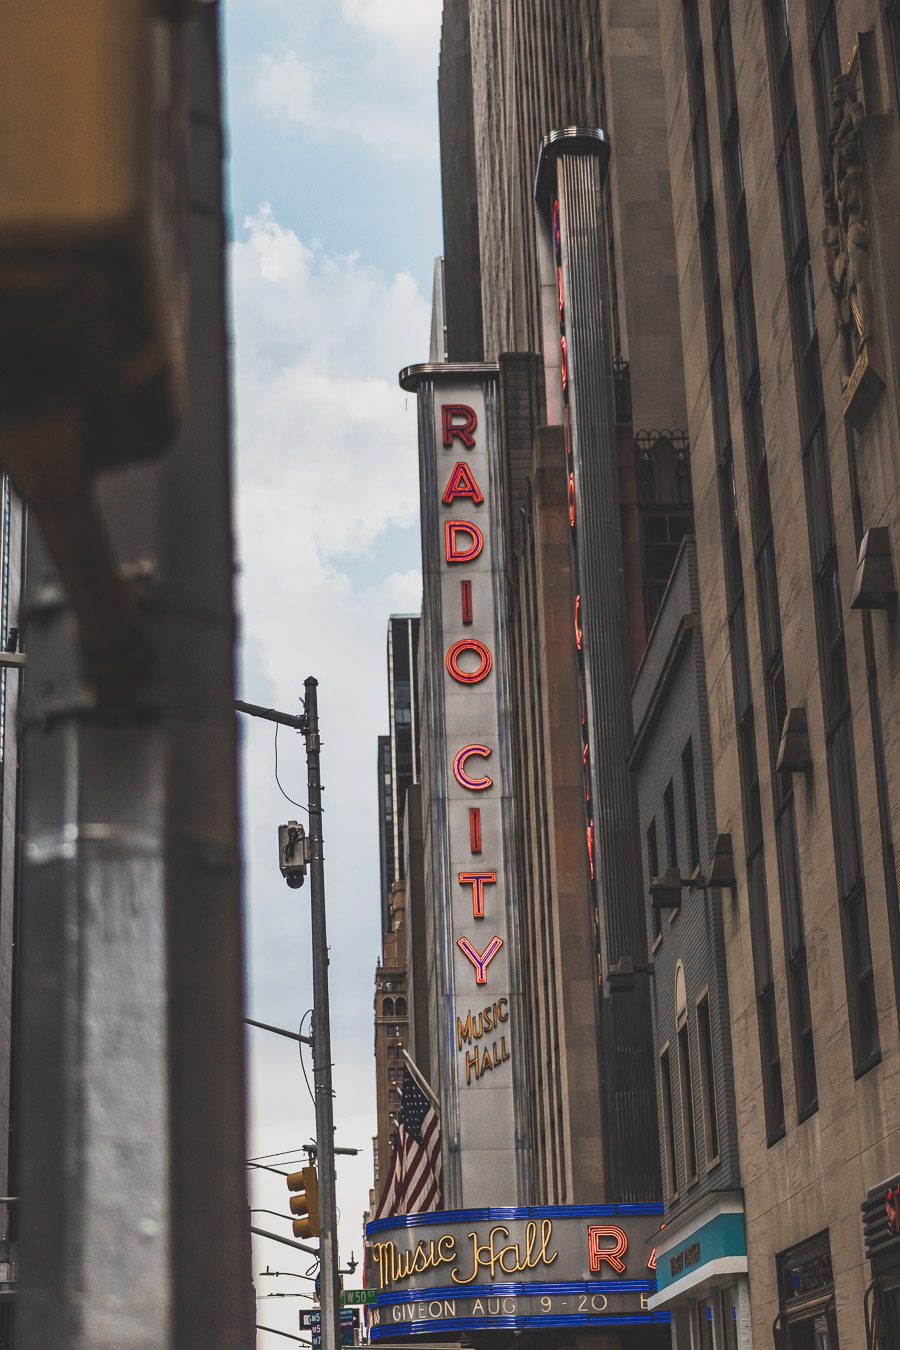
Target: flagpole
417	1075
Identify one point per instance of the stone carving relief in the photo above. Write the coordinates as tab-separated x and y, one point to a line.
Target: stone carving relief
845	237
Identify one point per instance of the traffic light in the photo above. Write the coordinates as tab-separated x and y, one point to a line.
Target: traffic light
305	1204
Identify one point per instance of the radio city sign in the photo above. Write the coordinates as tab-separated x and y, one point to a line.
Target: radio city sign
528	1268
468	782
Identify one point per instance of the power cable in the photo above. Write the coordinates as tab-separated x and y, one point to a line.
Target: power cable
312	1095
299	805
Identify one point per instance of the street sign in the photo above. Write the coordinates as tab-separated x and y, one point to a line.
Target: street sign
311	1318
348	1336
357	1296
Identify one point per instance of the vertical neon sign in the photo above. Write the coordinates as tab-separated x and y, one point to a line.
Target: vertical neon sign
571	494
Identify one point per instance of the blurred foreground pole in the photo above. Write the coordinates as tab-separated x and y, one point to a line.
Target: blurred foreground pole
134	1230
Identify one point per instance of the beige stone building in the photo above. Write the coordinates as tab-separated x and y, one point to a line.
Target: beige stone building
786	194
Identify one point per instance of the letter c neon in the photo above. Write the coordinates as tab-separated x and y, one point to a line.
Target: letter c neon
459	768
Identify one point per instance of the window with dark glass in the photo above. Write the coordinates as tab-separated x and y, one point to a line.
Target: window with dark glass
653	871
731	541
665	1074
686	1091
708	1082
892	19
828	607
669	823
690	804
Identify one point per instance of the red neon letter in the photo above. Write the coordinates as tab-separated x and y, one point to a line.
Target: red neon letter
589	832
564	359
579	632
572	500
478	881
475	828
484	657
480	960
560	293
461	483
613	1255
459	767
457	552
464	429
465	591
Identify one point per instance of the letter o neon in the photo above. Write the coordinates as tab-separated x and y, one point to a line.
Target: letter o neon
486	661
459	767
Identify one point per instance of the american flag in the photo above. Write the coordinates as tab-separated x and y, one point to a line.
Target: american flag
414	1183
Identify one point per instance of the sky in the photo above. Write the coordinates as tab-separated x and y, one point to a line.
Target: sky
334	224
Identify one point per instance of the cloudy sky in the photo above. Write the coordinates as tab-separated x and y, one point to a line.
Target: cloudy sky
335	218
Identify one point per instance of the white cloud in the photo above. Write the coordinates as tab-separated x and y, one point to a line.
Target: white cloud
326	469
287	88
381	88
321	418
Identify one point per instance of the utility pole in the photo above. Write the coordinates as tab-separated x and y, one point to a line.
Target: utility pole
329	1291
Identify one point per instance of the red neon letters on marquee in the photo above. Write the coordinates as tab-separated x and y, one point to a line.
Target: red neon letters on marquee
460	760
461	483
475	828
486	661
450	426
454	533
478	881
579	633
564	362
600	1233
465	593
572	500
480	960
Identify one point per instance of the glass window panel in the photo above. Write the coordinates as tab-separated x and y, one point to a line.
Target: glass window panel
759	922
686	1088
708	1081
773	1089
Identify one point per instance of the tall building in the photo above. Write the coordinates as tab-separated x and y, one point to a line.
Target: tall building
784	144
391	1036
398	765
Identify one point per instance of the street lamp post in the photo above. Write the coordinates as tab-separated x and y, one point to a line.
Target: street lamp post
329	1293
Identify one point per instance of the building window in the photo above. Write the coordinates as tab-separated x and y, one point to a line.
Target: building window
892	18
708	1082
669	823
806	1296
820	511
729	521
653	871
690	804
686	1087
665	1074
388	1009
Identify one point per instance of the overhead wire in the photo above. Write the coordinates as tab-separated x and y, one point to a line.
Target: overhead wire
299	805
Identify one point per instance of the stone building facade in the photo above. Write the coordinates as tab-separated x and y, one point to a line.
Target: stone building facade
702	1253
784	142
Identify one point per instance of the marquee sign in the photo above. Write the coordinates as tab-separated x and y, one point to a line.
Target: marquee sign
468	774
514	1269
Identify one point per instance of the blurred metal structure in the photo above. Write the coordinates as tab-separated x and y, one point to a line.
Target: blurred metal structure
132	1062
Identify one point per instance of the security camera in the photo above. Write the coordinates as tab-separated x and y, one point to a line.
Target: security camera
292	853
